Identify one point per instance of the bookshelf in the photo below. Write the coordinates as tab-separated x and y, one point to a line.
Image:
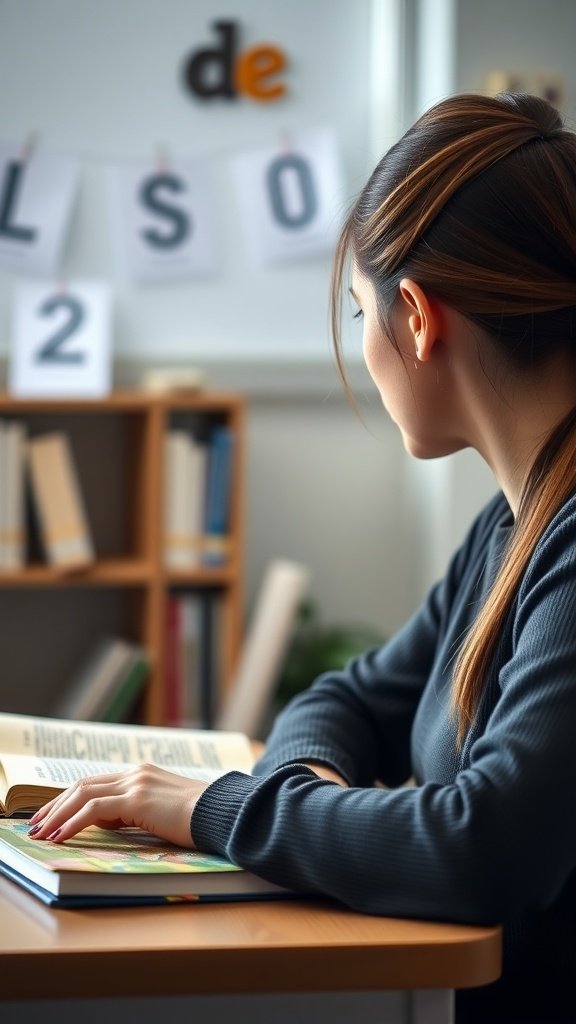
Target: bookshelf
52	618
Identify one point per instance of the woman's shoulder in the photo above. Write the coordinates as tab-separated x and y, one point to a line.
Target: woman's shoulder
494	517
555	551
558	539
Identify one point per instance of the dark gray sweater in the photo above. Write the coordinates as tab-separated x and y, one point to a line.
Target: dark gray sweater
489	832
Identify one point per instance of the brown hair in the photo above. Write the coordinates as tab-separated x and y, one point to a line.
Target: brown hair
477	204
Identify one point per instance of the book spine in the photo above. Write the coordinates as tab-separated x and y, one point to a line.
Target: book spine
178	538
59	503
174	681
190	642
207	666
219	487
129	689
14	501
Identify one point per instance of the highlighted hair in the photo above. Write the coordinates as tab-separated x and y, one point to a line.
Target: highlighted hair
477	204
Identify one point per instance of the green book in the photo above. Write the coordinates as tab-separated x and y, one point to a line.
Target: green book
127	689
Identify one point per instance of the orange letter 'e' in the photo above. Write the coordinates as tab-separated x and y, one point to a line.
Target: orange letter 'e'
256	64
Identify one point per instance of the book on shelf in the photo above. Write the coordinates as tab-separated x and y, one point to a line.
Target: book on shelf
218	496
58	501
193	657
174	680
184	495
128	867
197	497
190	641
12	495
108	684
39	757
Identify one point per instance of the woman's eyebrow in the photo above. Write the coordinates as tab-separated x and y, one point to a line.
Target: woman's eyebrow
353	294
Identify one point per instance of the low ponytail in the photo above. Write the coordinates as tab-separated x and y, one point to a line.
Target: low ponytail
551	482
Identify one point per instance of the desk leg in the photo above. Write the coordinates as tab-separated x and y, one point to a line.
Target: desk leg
431	1006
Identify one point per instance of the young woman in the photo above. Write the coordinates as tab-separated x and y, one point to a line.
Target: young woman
462	255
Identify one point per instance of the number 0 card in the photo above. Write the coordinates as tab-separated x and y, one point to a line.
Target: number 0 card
61	341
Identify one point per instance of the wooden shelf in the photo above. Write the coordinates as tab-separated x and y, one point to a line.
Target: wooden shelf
116	572
118	450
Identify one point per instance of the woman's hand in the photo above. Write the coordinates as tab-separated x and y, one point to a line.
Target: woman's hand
148	797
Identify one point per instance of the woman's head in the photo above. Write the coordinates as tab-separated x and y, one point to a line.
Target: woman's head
477	204
475	209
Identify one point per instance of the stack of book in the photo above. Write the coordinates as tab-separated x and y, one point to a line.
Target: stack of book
108	685
39	757
197	494
193	669
45	465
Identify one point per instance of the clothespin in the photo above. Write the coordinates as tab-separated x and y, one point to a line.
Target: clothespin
162	160
28	147
286	142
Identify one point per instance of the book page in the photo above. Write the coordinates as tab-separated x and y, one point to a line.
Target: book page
178	749
58	773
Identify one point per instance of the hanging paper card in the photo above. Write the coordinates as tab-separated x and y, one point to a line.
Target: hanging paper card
291	198
36	195
61	341
163	220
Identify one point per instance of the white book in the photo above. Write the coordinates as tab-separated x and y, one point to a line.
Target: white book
178	538
271	628
184	493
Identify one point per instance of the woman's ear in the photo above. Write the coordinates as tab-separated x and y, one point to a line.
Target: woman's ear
422	318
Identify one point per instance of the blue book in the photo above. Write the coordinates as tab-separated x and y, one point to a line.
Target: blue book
218	496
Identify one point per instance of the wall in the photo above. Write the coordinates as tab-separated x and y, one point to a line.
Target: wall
102	83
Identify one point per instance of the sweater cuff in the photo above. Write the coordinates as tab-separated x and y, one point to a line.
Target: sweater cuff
218	808
297	753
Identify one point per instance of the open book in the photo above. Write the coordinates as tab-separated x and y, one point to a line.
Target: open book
39	757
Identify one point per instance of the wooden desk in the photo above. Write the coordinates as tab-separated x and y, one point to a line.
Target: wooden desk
217	949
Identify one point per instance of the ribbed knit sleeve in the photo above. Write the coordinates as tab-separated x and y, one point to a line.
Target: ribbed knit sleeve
486	837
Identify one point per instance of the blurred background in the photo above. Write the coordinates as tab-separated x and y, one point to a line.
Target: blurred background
107	83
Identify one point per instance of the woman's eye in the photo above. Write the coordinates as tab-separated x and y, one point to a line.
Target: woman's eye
358	314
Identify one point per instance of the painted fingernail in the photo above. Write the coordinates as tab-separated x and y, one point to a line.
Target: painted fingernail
33	831
51	838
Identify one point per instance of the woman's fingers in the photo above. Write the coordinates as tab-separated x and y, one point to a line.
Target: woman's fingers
57	801
149	797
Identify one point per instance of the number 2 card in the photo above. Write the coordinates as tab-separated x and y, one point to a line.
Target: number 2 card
61	341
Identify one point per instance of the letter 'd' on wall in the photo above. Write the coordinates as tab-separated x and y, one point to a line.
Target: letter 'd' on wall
224	70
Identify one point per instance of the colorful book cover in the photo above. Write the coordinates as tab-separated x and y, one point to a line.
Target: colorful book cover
101	867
